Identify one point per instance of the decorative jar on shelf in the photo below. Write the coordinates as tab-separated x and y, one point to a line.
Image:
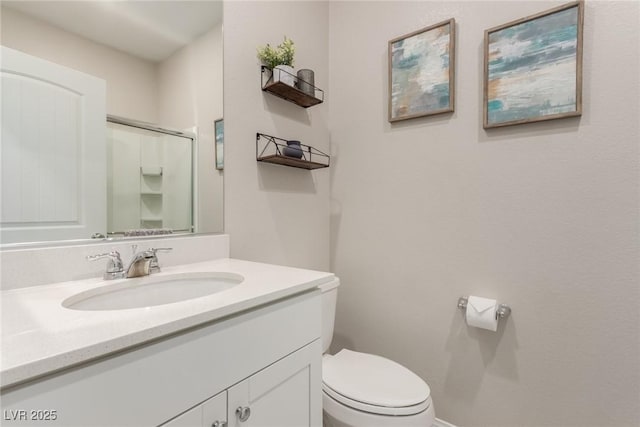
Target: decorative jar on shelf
293	149
306	82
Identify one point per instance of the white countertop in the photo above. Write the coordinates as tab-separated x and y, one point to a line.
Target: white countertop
40	336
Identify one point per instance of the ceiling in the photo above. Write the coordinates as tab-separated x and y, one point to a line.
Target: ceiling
151	30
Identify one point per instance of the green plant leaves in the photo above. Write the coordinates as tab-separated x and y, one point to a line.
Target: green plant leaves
283	54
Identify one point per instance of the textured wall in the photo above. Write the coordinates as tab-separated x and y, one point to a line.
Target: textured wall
274	213
190	87
542	216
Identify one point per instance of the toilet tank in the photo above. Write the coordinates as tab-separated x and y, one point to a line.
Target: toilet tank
329	298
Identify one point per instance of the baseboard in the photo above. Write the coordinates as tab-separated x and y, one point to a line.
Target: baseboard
441	423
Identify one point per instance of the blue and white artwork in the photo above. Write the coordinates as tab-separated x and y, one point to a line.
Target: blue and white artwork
532	69
421	68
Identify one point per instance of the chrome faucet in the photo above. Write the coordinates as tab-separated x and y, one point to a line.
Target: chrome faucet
115	270
142	263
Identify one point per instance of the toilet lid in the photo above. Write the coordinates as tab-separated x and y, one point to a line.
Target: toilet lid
373	383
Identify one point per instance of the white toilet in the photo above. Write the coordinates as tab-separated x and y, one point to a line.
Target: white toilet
365	390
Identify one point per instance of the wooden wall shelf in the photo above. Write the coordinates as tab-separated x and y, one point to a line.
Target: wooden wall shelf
270	149
290	93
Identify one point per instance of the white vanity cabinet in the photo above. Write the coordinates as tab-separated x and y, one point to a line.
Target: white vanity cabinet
267	359
286	394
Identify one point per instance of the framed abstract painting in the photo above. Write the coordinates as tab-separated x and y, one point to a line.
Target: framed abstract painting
421	72
533	68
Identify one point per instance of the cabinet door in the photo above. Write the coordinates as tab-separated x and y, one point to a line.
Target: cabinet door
191	418
214	411
285	394
207	414
53	163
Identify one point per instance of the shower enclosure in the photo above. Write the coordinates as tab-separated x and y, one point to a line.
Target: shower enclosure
149	179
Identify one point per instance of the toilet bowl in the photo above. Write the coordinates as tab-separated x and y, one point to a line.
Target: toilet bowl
366	390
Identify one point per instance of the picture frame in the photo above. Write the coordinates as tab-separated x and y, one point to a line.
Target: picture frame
219	146
533	68
422	72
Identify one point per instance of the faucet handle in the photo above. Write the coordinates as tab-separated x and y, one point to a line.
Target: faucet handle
115	269
154	266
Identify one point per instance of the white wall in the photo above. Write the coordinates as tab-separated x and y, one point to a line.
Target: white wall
274	213
131	88
543	217
190	94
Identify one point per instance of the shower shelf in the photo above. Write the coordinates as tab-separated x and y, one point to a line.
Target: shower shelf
151	196
151	170
270	149
290	93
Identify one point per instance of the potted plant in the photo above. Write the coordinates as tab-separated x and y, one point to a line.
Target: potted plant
279	60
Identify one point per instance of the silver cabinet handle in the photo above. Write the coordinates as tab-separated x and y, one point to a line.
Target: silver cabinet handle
219	424
243	413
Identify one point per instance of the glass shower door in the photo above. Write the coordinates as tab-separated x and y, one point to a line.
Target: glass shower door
149	183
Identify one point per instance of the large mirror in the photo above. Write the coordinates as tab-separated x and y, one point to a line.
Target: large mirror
154	146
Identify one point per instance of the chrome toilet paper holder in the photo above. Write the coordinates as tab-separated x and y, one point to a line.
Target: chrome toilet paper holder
502	312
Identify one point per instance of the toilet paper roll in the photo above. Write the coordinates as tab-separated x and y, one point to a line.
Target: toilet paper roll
481	313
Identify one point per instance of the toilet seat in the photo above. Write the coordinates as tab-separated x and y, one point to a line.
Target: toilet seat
374	409
374	384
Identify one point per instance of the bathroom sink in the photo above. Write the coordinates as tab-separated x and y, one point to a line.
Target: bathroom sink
152	290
